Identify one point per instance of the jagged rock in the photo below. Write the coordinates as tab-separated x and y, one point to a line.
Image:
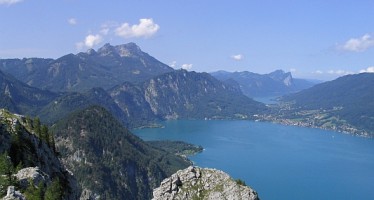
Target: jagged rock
31	173
88	195
202	183
12	194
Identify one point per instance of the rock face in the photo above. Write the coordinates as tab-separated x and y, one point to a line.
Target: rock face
202	183
12	194
40	162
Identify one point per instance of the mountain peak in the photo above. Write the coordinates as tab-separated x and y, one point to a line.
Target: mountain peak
128	49
123	50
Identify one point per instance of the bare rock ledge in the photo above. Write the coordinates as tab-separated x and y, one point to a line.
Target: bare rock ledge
202	183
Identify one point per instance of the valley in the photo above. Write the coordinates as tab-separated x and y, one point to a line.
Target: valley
91	100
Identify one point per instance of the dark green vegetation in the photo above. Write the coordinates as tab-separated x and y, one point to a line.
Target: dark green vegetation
177	147
27	143
119	165
277	83
347	102
109	66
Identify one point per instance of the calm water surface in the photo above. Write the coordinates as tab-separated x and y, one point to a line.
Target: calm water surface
280	162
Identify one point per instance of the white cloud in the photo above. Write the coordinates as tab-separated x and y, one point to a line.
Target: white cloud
90	41
104	31
146	28
237	57
358	44
318	72
293	70
339	72
368	70
187	66
72	21
9	2
173	64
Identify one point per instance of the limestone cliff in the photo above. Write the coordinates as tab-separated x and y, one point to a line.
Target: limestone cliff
28	162
202	183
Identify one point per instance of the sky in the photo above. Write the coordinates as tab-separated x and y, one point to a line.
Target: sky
319	39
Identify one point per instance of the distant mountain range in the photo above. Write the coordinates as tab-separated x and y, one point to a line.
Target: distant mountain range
105	68
274	84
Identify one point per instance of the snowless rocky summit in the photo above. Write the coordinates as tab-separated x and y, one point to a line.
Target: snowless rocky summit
202	183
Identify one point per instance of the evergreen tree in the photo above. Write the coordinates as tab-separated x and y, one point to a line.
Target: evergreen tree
44	134
6	172
37	127
54	191
34	193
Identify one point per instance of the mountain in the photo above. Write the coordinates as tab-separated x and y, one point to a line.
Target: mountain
184	95
274	84
29	164
204	184
69	102
347	99
19	97
105	68
119	165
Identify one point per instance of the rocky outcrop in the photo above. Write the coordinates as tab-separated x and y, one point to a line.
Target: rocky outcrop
13	194
31	173
202	183
39	161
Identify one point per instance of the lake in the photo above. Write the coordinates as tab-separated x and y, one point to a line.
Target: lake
278	161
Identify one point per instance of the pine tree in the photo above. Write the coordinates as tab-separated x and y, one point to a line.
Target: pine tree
54	191
44	134
6	172
37	127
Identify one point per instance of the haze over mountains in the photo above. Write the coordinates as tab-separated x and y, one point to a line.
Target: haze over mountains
274	84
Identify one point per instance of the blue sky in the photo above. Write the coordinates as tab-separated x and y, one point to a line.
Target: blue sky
320	39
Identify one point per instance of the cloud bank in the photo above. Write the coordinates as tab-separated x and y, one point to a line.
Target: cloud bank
9	2
368	70
358	44
146	28
186	66
72	21
90	41
237	57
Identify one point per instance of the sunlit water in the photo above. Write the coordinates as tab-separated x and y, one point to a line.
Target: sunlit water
280	162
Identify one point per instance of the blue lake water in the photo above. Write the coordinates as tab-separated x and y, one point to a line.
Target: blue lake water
280	162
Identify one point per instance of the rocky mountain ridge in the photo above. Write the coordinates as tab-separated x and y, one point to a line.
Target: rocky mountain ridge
202	183
105	68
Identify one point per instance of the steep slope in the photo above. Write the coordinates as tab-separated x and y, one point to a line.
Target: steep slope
69	102
182	94
109	66
32	160
120	165
276	83
21	98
